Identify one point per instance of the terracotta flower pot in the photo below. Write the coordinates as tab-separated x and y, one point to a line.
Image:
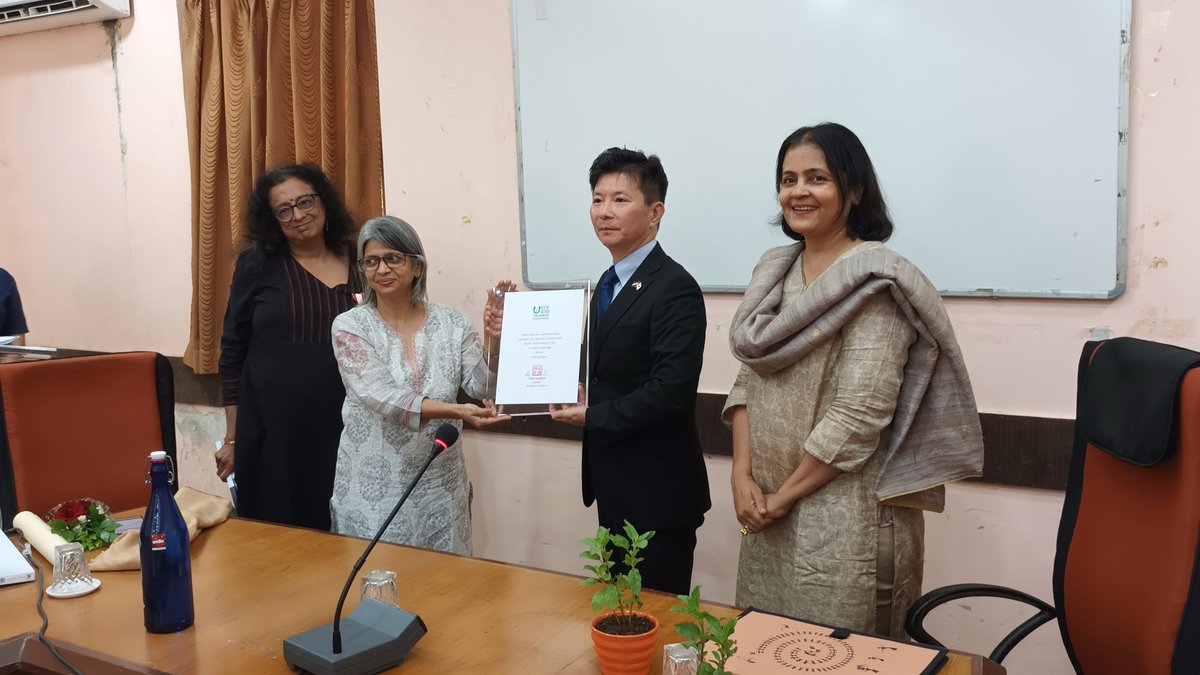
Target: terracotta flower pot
625	654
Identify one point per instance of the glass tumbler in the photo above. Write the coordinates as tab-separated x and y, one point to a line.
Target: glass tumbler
380	585
71	573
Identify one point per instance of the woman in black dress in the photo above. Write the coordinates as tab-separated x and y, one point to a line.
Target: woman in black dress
281	388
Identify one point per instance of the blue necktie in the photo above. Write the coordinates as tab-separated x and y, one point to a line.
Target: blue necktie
607	283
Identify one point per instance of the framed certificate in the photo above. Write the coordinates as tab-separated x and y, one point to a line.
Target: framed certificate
541	347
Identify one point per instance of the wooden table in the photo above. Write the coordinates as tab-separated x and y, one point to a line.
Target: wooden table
256	584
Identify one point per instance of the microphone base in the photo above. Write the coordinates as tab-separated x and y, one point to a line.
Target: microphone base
375	637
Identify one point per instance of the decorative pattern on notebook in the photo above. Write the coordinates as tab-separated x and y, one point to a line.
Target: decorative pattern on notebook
770	644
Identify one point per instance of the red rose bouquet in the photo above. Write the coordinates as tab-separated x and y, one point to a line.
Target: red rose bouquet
86	521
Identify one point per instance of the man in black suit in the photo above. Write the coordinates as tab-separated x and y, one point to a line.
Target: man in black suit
641	454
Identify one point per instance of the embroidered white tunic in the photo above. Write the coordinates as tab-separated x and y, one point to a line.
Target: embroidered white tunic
384	442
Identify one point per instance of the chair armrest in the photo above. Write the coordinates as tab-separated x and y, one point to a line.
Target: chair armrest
915	622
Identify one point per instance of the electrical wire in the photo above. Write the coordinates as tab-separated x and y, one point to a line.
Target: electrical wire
42	613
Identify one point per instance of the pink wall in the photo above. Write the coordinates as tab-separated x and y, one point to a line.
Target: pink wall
94	180
99	240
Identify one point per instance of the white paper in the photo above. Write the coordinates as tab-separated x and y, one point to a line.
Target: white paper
14	568
540	349
228	481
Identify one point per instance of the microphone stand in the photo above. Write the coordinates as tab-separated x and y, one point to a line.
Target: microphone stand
381	635
337	613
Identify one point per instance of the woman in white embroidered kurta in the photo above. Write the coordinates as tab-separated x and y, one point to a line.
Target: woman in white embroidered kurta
403	361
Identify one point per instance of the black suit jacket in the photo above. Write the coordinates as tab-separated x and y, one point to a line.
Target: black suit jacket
641	453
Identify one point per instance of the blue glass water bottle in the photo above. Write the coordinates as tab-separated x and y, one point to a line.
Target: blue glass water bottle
166	558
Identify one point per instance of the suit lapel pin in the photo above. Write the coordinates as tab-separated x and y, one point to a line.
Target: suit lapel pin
637	285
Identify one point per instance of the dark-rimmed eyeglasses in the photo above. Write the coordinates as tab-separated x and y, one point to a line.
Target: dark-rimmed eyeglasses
394	261
306	203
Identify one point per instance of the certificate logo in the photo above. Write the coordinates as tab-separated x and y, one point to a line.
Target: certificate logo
541	312
538	371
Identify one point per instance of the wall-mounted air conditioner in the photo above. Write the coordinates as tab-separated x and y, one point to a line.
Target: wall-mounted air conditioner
26	16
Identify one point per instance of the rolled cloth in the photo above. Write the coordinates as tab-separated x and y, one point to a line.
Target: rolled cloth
199	509
38	534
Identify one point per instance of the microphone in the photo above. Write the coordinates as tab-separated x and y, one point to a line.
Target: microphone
379	636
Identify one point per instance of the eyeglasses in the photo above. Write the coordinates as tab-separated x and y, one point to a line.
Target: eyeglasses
305	203
392	260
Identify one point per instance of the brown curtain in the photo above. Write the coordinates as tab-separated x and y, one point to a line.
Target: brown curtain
268	83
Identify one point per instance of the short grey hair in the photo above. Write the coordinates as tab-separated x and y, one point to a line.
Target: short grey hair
397	235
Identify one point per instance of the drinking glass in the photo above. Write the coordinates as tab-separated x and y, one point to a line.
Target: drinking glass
380	585
71	571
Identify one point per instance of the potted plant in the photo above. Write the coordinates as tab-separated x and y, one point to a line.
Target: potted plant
705	628
624	637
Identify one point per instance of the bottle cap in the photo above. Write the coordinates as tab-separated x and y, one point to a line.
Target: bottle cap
158	456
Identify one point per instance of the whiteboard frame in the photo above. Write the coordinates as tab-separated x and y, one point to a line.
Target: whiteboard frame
1124	47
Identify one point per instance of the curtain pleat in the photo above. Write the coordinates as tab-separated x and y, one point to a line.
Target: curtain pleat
269	83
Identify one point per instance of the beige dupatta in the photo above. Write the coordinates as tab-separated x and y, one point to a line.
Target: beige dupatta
936	437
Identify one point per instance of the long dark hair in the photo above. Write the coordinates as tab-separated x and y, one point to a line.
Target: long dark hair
264	238
853	174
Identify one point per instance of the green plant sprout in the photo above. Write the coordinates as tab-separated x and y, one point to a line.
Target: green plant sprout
705	628
620	593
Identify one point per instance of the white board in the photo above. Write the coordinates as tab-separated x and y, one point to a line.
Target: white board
997	128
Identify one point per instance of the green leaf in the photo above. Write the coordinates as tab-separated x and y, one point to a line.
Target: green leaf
608	598
689	631
620	542
635	582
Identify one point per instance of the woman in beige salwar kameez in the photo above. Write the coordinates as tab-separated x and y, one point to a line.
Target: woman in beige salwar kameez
852	407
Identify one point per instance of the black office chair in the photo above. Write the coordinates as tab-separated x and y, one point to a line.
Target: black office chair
1126	572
